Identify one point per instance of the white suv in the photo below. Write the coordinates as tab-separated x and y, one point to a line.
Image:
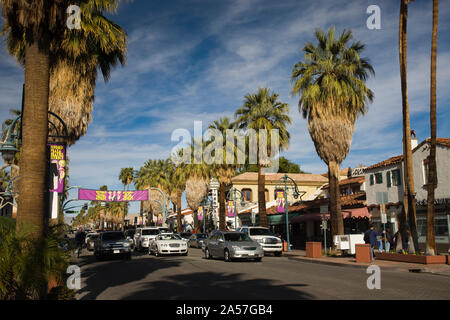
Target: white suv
143	236
269	242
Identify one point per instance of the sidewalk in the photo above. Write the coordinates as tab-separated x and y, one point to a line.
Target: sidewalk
349	261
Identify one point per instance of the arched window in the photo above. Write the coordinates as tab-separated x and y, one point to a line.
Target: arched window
247	194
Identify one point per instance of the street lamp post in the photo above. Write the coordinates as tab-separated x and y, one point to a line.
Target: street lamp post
234	190
164	210
285	180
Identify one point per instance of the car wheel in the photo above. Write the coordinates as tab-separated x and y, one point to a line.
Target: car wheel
278	254
207	254
258	259
185	254
227	256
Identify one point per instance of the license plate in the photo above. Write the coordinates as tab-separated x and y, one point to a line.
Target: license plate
116	251
251	254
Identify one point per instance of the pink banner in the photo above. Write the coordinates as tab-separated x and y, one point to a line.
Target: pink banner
112	196
57	167
200	213
280	201
230	208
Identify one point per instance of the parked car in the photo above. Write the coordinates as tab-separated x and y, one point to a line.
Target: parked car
90	240
129	235
232	245
269	242
110	243
197	240
144	236
168	243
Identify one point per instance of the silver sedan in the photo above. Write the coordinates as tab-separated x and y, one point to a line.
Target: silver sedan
232	245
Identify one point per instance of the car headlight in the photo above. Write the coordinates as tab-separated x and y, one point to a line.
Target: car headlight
235	247
126	244
163	244
260	240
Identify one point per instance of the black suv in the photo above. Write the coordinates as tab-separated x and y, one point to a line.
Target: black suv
112	243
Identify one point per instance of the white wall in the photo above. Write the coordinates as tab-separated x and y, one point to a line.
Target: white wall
395	193
443	171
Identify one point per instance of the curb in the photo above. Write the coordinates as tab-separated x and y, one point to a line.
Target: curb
391	268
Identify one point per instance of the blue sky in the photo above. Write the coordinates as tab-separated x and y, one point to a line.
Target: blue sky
195	60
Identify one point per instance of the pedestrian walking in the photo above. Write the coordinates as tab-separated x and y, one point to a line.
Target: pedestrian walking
370	237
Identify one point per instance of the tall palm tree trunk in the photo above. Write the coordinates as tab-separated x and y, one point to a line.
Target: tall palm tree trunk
431	243
179	223
337	223
262	198
409	201
222	196
33	206
196	222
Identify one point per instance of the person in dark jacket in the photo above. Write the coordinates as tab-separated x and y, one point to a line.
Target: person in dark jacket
370	237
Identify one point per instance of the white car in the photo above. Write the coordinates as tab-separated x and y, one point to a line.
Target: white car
265	238
144	236
168	243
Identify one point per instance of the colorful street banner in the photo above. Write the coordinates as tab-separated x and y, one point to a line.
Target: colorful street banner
230	208
280	201
200	213
57	167
112	196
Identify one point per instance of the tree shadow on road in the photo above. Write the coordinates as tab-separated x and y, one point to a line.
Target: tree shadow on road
99	276
217	286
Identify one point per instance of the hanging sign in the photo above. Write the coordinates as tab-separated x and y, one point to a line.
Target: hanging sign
280	201
200	213
57	167
230	208
112	196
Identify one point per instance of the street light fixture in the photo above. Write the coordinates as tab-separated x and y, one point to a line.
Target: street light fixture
285	180
8	148
234	190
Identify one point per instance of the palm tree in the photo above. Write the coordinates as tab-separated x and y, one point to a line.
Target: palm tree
178	179
37	36
263	110
331	81
197	176
408	219
126	176
431	244
223	171
75	57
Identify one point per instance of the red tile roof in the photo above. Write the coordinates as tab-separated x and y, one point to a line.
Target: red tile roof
345	182
389	162
356	199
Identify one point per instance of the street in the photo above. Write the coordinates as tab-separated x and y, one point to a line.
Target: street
147	277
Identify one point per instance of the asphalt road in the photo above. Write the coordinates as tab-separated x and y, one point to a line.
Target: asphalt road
193	277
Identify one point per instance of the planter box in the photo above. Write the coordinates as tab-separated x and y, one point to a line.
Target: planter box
314	249
411	258
363	253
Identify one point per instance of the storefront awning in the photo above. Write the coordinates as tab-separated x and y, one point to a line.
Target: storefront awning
346	213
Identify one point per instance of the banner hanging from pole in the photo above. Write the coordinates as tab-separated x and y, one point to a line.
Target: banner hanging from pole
112	196
280	202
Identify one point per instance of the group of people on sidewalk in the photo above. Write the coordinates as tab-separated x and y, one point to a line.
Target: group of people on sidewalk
379	240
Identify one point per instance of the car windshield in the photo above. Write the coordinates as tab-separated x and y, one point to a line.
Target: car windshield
236	237
94	236
168	237
150	232
185	235
260	232
113	236
164	229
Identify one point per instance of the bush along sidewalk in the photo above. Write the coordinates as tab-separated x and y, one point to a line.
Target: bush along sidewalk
27	266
